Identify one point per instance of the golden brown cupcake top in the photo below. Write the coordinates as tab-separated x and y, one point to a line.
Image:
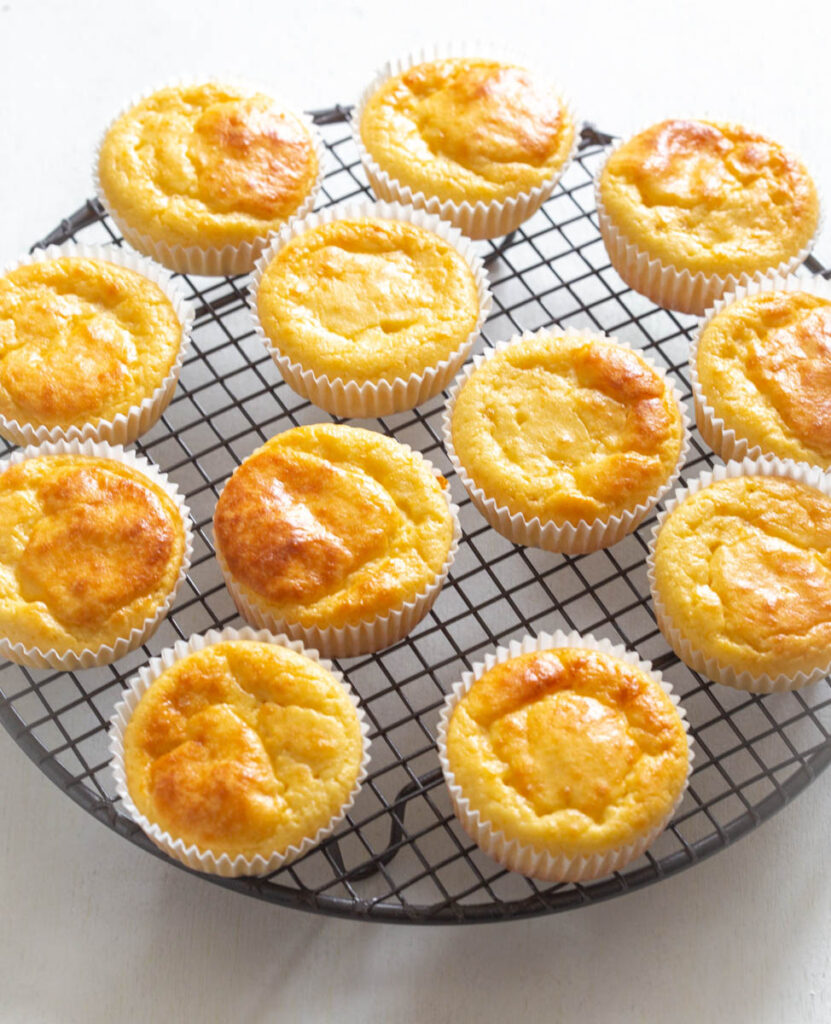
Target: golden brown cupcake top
81	340
208	164
567	428
89	549
764	366
330	525
368	299
743	568
467	129
710	196
569	750
243	747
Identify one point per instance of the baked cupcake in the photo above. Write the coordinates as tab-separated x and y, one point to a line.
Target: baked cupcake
369	308
238	751
476	140
94	543
338	536
691	209
92	339
198	174
565	440
565	757
760	368
740	571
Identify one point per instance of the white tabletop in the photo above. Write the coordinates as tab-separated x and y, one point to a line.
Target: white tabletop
95	929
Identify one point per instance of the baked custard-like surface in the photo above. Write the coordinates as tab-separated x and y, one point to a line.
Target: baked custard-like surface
467	129
207	165
89	549
568	750
81	340
764	365
368	299
710	197
567	428
743	568
329	525
243	748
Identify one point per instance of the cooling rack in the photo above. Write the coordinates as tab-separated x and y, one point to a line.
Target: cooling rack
401	856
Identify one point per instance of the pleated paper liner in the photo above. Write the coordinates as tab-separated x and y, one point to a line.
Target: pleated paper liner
68	660
125	427
479	219
350	398
548	865
204	260
192	855
568	538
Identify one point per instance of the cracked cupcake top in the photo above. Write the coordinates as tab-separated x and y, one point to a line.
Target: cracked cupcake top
243	747
569	750
743	569
764	366
368	299
467	129
710	197
207	165
331	525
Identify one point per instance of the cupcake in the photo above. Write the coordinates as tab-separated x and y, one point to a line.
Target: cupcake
337	536
565	757
94	543
565	440
691	209
238	751
761	372
476	140
740	572
91	343
369	309
196	175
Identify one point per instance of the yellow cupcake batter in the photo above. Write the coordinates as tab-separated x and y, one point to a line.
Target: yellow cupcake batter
743	568
764	365
467	129
368	300
331	525
567	428
207	165
243	748
81	340
571	751
710	197
89	549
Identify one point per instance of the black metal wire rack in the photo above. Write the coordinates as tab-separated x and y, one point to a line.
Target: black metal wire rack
401	856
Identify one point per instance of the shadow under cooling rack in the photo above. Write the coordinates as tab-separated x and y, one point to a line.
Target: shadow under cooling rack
401	856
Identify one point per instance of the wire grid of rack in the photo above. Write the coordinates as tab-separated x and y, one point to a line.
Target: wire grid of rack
401	856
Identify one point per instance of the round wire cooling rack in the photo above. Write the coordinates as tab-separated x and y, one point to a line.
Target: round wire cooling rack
401	856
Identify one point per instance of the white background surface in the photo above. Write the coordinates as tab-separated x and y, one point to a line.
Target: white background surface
95	930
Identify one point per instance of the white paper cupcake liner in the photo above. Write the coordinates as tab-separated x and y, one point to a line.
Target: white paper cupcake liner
726	441
664	284
711	667
511	853
570	538
348	398
34	657
362	637
476	220
206	261
124	428
192	855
